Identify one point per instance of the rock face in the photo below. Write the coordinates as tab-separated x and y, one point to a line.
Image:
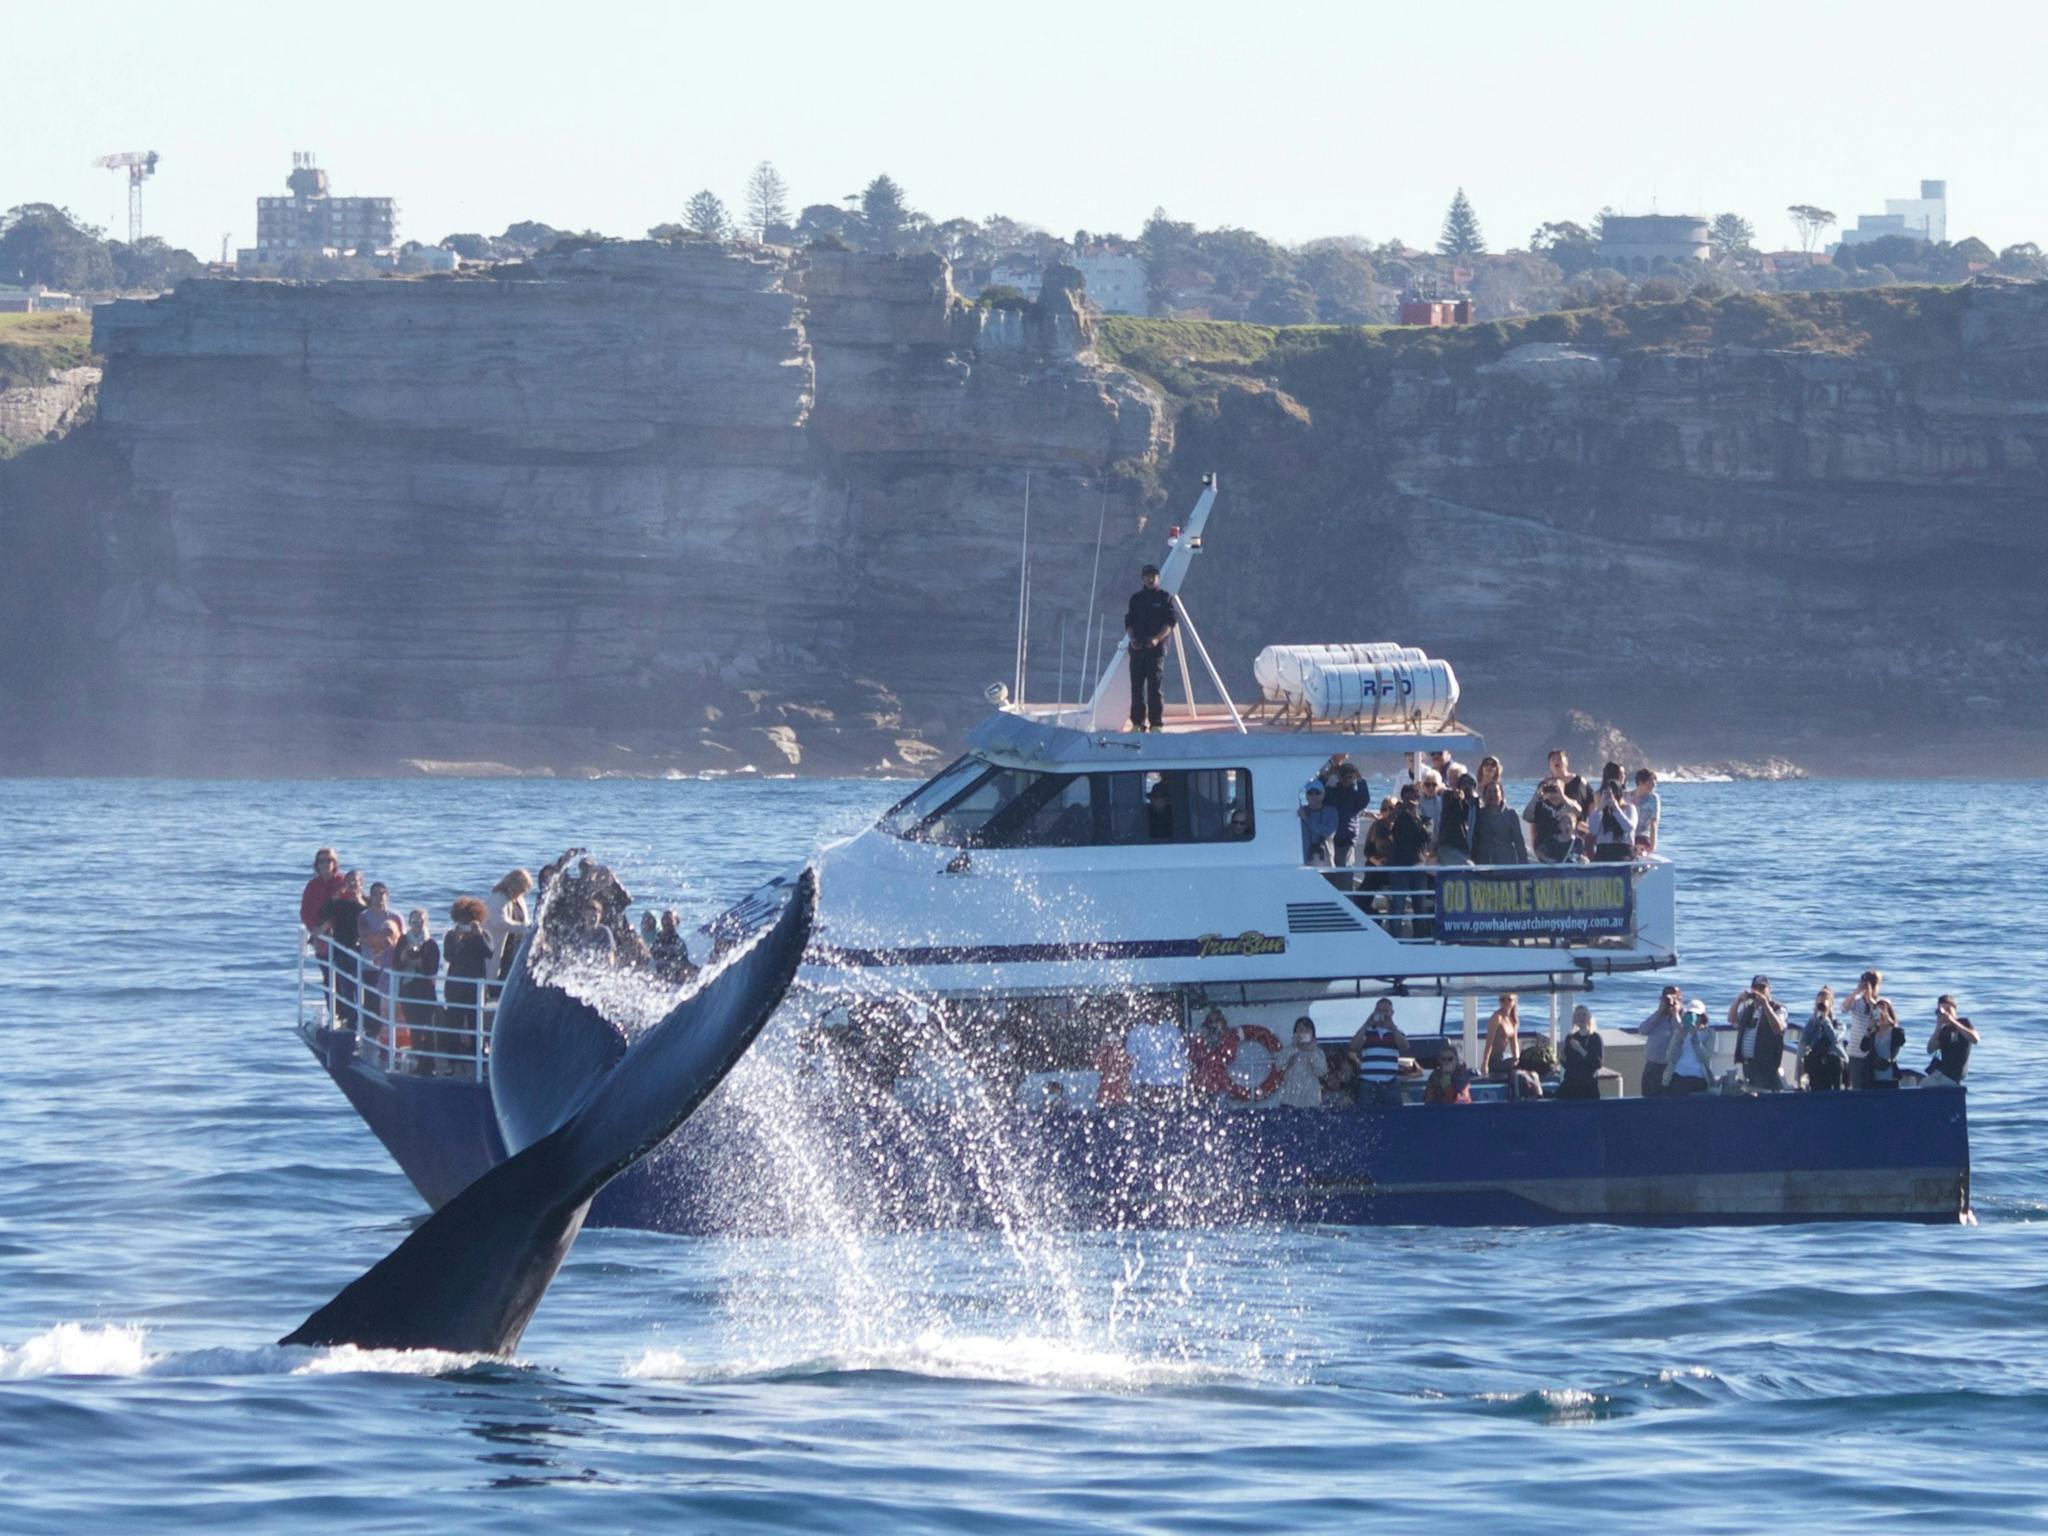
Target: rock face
678	505
686	499
34	413
1730	551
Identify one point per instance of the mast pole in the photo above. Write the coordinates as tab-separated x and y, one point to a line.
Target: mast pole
1023	589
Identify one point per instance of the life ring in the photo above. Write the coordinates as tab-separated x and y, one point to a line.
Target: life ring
1271	1085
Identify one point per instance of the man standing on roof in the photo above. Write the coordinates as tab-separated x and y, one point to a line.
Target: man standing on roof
1149	621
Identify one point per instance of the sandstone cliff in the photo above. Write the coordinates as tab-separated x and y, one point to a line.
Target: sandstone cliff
656	506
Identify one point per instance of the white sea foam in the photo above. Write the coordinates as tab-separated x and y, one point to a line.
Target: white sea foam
81	1349
77	1349
1025	1360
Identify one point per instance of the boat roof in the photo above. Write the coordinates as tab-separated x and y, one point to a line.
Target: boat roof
1020	737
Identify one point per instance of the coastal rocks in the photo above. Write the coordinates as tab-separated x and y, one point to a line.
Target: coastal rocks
36	413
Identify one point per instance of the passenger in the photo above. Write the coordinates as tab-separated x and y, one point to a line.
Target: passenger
470	963
1489	773
1454	825
1149	621
1500	1058
1407	841
1159	812
1822	1056
588	937
1657	1031
1569	784
381	933
1882	1045
1052	1097
1449	1081
1378	847
1304	1070
1212	1051
1859	1017
1318	828
1583	1052
1949	1046
1496	830
507	918
376	916
1649	810
1112	1071
321	889
1554	823
416	962
1240	821
1759	1021
1378	1048
341	921
671	956
1691	1049
1159	1063
650	929
1429	802
629	946
1613	822
1350	798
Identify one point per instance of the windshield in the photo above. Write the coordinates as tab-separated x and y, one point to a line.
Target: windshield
906	813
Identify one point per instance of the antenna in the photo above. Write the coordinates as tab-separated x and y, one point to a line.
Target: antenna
1023	588
140	164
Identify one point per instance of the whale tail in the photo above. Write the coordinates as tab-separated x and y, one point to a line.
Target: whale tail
468	1279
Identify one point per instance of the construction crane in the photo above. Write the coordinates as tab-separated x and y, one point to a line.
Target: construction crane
140	164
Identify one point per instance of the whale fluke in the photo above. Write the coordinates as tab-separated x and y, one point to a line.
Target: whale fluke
468	1279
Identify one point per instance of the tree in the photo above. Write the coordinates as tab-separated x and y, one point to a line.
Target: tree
705	215
1461	236
1809	221
1571	246
468	246
2023	260
151	263
529	236
1284	301
44	244
1729	233
885	212
767	199
829	227
1238	261
1341	280
1167	246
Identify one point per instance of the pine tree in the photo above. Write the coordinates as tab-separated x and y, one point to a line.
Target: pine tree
705	215
1731	232
1461	236
767	199
885	211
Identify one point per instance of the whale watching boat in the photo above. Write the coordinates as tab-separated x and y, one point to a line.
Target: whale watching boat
985	947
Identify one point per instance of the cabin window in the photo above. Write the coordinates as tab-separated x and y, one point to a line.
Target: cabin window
934	792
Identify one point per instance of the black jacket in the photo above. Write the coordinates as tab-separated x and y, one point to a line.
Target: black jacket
1150	612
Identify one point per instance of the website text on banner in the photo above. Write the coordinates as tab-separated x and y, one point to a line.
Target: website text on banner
1479	906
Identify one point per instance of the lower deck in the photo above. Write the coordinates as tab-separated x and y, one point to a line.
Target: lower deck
804	1157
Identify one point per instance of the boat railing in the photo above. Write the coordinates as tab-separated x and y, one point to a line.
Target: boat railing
342	990
1549	906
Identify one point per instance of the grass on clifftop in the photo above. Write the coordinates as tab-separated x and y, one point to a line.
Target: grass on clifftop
1905	324
32	347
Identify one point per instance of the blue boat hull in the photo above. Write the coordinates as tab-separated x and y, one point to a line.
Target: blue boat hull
1698	1160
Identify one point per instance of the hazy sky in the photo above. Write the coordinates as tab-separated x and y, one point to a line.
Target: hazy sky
1295	120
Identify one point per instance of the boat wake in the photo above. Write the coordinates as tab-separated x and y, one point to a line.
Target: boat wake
81	1349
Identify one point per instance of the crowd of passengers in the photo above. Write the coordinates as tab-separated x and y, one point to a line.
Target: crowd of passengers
1149	1060
430	995
1448	815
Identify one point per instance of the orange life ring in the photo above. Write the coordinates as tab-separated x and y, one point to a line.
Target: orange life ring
1271	1042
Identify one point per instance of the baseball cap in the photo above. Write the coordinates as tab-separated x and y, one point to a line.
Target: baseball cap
1150	570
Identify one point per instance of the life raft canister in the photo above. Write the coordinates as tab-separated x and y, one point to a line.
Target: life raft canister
1271	1085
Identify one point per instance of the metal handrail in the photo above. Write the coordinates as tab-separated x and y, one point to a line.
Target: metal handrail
340	991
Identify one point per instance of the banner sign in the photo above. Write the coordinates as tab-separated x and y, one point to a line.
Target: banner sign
1568	904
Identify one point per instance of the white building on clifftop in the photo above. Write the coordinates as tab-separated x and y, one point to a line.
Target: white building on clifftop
1917	218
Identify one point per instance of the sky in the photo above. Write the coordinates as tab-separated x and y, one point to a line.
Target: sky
1293	119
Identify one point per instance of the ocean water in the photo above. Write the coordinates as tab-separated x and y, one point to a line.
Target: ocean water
180	1184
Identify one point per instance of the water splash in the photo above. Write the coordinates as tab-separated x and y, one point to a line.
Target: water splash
81	1349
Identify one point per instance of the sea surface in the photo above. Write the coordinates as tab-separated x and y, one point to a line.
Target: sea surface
180	1184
